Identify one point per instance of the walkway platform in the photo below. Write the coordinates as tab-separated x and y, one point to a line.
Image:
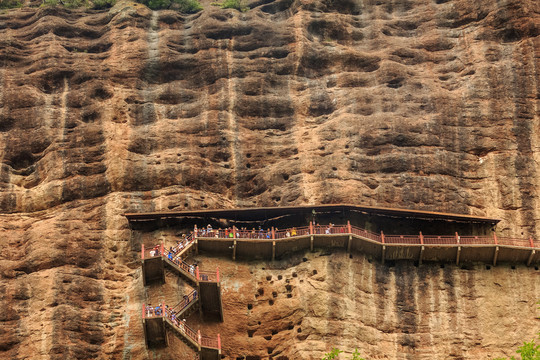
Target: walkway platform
155	327
421	248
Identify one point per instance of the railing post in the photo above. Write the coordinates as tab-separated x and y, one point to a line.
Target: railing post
273	233
421	238
495	238
219	342
234	232
457	238
199	336
142	251
531	241
349	227
217	274
382	237
197	273
195	231
311	228
162	249
143	310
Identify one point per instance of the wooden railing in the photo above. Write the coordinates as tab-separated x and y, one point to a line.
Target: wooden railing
164	312
331	229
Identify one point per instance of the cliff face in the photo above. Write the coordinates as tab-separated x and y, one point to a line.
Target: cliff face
406	103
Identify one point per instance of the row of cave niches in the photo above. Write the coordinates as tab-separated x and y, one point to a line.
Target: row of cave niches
283	291
287	289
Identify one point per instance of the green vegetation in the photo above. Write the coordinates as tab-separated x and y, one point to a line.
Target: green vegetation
239	5
527	351
334	354
185	6
103	4
10	4
70	4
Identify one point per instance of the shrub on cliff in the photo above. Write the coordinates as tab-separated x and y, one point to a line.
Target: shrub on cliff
10	4
334	354
103	4
185	6
239	5
70	4
528	351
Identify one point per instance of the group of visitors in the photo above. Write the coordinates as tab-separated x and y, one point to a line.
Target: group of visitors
260	233
160	311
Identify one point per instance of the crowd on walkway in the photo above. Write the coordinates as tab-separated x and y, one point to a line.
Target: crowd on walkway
260	233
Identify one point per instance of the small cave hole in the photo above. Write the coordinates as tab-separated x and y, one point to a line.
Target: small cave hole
488	267
301	281
270	350
314	272
251	332
299	330
346	146
442	266
290	327
261	291
536	268
274	294
294	274
274	332
250	306
334	168
279	277
289	296
185	204
269	277
248	155
248	165
285	177
304	259
258	322
270	302
288	287
268	337
513	267
350	256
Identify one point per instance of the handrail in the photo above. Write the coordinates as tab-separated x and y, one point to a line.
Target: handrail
184	303
181	264
271	234
165	312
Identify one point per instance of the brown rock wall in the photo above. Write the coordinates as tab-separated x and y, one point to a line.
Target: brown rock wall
418	104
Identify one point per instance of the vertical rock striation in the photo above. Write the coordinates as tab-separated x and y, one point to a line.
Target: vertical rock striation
424	104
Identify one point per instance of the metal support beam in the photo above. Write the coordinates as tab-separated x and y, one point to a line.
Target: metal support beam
421	255
383	256
311	244
349	243
458	254
531	257
273	250
234	250
495	256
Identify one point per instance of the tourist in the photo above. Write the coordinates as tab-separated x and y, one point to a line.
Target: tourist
287	234
293	232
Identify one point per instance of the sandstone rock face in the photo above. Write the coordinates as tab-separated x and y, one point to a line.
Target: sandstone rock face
424	104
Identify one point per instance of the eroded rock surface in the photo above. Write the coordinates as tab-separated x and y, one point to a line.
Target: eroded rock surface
408	103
